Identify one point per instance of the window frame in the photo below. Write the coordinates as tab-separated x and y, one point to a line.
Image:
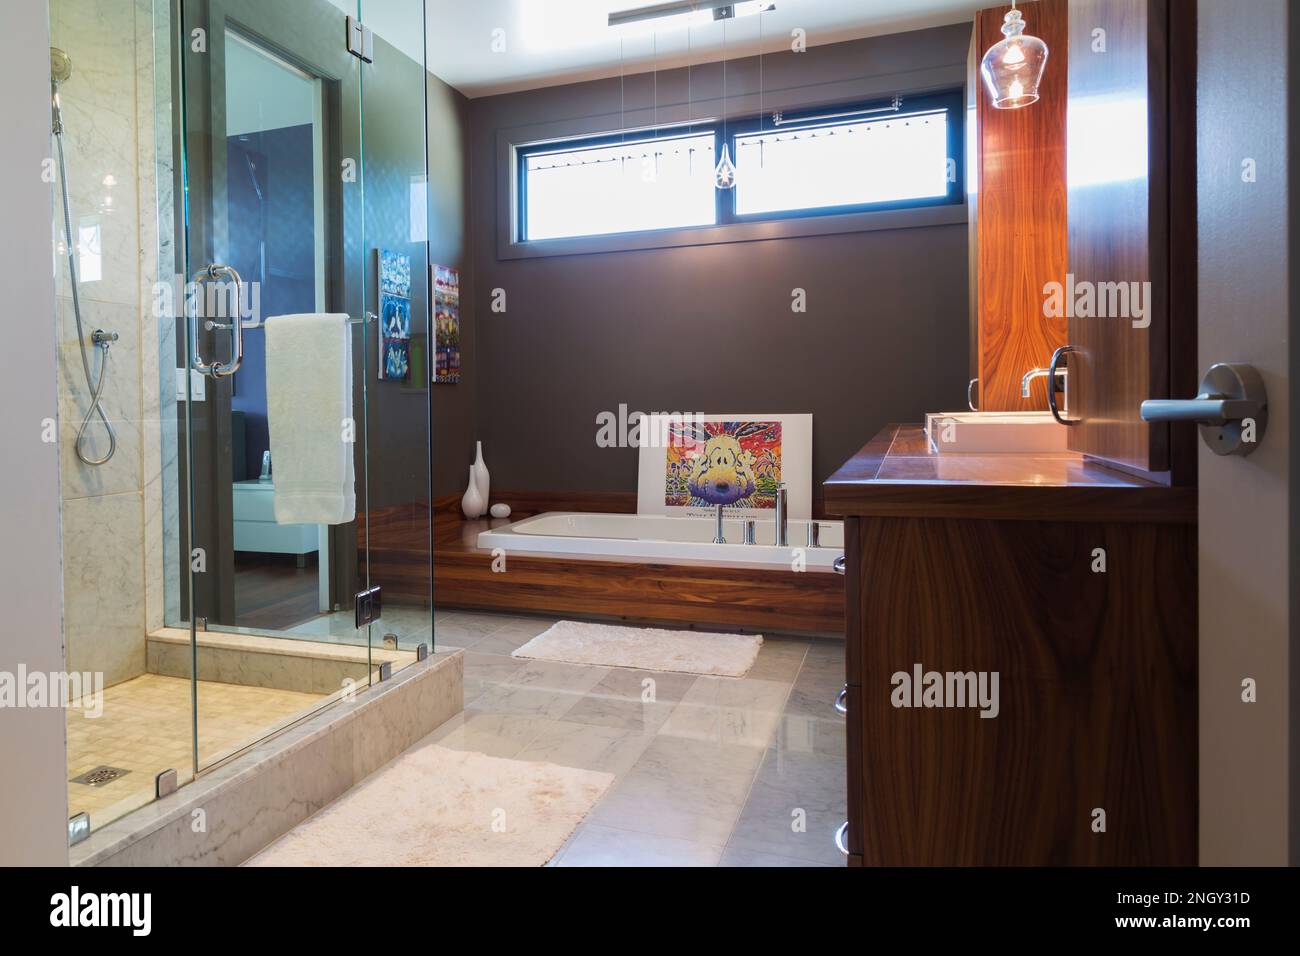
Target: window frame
598	141
952	101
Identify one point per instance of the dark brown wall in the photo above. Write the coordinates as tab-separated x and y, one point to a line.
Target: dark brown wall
449	189
397	416
710	328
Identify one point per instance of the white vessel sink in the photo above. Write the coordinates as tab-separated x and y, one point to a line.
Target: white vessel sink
995	432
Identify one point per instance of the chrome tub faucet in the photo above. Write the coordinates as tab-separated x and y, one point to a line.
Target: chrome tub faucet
782	520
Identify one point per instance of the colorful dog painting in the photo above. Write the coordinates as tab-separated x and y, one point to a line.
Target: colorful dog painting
731	463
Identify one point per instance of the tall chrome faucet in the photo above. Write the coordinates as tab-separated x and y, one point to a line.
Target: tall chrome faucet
782	522
1034	373
717	527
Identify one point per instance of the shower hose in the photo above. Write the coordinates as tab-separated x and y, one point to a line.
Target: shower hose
100	338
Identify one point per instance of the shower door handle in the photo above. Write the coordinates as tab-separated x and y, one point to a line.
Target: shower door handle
236	325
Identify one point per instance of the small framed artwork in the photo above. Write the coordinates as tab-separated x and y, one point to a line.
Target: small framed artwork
446	324
690	464
394	316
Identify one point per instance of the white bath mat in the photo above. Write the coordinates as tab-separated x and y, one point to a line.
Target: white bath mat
611	645
440	807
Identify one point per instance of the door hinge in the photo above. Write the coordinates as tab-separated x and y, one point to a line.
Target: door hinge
369	606
361	40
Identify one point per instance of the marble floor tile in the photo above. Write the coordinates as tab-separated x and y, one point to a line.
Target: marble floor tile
635	700
740	857
826	651
466	628
796	804
779	658
807	733
683	788
558	678
729	710
707	770
522	702
497	735
569	744
819	681
595	845
487	670
508	639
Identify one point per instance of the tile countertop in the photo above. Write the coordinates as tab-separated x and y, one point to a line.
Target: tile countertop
898	474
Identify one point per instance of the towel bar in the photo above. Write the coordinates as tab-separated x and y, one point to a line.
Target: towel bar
212	326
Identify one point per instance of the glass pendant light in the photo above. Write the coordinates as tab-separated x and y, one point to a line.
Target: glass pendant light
1013	67
724	174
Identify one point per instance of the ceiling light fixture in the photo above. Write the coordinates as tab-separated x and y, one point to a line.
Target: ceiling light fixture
691	11
1013	67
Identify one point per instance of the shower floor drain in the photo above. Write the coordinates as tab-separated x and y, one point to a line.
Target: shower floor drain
101	776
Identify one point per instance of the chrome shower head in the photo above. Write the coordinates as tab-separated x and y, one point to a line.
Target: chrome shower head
60	66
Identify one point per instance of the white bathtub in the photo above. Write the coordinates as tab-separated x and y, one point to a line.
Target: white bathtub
663	538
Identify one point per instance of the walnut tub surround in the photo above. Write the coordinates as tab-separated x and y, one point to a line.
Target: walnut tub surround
1076	585
714	594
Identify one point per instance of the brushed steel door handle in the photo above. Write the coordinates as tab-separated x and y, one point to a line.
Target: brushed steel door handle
1232	409
841	838
841	706
839	565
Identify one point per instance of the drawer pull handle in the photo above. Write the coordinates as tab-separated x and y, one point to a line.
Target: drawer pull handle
838	565
841	705
840	836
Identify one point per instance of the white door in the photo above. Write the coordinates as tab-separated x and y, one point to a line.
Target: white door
1249	752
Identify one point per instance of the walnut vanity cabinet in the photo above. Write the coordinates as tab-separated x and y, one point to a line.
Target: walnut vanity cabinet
991	564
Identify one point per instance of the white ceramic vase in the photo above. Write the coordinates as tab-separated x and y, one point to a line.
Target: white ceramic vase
482	480
472	503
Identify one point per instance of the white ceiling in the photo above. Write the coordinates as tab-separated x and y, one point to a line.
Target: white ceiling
549	42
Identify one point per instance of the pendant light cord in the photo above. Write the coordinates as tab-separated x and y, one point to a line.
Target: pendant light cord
724	83
760	87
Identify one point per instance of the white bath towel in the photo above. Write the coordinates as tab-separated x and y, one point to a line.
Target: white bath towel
309	414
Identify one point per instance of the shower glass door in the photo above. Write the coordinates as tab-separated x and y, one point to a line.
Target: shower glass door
274	185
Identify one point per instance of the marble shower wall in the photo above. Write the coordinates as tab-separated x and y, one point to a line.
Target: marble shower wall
111	511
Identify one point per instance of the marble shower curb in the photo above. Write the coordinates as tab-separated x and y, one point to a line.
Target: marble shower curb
230	813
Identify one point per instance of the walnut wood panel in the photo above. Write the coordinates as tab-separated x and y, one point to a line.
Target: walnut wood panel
855	753
754	596
1119	225
697	594
1020	232
398	539
852	601
524	504
1097	693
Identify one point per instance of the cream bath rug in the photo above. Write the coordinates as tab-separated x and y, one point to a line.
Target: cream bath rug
611	645
440	807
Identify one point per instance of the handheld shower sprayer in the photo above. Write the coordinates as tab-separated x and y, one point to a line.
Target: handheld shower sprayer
60	73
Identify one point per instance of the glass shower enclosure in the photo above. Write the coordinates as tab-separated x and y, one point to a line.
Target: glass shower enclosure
246	522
